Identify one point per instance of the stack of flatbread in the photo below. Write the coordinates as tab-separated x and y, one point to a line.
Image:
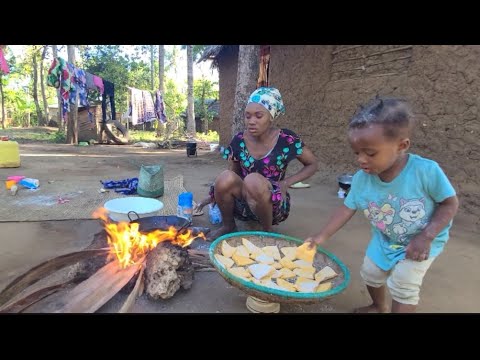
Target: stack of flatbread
294	271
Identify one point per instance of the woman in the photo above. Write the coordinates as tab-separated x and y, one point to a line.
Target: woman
255	187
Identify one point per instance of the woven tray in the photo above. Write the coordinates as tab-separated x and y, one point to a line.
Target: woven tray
261	239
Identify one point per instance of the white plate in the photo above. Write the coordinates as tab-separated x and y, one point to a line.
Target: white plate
118	209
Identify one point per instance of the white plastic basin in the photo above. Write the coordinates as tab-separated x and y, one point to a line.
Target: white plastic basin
118	209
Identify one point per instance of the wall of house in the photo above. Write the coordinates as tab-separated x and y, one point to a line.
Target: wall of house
323	85
228	64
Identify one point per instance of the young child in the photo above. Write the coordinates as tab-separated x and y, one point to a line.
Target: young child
408	200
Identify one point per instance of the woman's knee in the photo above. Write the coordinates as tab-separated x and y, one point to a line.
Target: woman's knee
256	186
225	180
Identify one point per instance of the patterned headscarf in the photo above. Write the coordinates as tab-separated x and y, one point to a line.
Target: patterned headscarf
269	98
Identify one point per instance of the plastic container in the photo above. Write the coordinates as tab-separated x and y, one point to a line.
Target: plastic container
9	184
16	178
119	208
9	154
29	183
185	205
191	149
341	193
214	214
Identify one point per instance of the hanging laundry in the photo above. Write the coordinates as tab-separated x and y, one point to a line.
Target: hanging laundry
89	81
138	110
264	66
160	107
81	83
98	81
3	63
109	90
59	76
149	107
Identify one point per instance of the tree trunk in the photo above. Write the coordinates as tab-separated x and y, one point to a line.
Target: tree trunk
161	68
42	83
247	76
3	101
161	74
204	110
35	88
190	109
72	126
61	126
152	68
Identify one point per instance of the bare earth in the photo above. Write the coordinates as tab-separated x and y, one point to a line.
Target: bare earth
451	285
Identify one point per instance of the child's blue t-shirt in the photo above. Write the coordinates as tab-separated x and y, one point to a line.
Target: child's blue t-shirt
400	209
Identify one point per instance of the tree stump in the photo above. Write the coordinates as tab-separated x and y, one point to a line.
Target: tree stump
168	267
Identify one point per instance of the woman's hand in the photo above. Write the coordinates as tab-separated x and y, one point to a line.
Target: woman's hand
283	188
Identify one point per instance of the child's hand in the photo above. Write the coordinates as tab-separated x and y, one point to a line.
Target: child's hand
313	241
418	249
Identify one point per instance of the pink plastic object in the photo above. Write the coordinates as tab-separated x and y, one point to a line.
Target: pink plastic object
16	178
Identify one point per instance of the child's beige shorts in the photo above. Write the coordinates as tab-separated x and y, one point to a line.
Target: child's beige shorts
403	280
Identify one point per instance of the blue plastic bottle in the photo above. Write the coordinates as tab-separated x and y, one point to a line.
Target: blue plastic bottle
214	214
185	205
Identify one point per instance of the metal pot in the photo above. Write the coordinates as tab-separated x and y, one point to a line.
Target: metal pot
345	181
151	223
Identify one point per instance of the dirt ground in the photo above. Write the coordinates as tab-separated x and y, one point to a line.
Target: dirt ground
451	285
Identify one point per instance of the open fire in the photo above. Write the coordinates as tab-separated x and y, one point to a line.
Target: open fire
129	246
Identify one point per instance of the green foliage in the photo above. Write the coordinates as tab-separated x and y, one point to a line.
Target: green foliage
144	136
204	89
34	134
175	101
211	137
110	63
59	137
18	87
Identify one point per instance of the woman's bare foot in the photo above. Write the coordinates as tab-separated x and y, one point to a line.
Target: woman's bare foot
222	231
370	309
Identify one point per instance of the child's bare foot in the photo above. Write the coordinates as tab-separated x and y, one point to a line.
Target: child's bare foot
222	231
371	309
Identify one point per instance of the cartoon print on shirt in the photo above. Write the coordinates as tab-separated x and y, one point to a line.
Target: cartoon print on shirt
380	217
412	215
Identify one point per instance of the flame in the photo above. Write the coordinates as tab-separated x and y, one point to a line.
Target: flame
128	245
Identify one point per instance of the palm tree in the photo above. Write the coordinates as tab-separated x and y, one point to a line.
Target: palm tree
72	126
190	107
42	83
59	98
161	85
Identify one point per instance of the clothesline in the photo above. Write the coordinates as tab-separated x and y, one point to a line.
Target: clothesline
71	80
142	109
171	108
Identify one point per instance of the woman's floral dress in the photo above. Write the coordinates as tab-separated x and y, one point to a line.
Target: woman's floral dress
273	166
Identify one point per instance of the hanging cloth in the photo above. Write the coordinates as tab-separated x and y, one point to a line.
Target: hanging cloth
264	66
160	107
3	63
148	106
